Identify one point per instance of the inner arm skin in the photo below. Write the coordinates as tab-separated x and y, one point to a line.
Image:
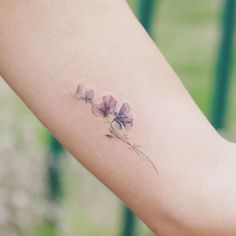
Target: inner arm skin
48	47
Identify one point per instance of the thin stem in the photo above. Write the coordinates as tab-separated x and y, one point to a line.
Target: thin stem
125	140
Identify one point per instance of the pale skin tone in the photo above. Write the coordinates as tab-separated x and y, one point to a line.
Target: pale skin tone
48	47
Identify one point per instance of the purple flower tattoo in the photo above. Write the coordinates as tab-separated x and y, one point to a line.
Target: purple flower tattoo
118	120
123	119
105	108
87	96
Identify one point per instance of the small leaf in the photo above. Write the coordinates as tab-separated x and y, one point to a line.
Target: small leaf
111	132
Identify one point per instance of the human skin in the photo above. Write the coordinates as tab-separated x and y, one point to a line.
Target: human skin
48	47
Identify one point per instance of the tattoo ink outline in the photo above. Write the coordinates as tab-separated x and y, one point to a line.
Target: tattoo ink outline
117	120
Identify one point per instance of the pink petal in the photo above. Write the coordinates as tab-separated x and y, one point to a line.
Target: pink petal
109	101
97	109
79	91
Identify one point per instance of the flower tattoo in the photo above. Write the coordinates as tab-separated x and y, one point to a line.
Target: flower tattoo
105	108
123	119
87	96
117	119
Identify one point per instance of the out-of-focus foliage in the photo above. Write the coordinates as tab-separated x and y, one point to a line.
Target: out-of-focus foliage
22	175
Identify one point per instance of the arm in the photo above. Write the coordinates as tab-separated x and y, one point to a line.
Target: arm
49	47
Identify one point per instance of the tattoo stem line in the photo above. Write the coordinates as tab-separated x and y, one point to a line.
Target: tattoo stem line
124	139
117	119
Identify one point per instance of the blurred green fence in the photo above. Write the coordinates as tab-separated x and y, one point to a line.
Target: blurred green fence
223	67
55	187
146	13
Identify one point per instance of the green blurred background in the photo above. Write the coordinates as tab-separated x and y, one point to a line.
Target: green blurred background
43	191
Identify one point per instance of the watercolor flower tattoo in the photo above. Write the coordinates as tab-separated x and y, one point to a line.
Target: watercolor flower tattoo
117	119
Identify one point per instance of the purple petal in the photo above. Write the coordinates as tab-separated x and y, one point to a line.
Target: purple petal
125	109
109	102
89	94
128	125
118	124
98	109
123	119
